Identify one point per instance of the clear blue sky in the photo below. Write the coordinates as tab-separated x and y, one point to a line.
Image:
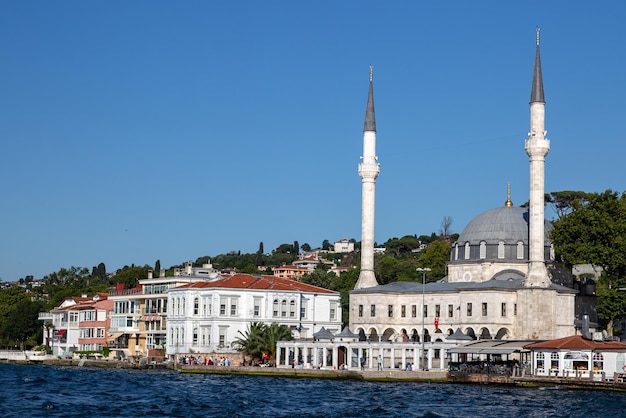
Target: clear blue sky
132	131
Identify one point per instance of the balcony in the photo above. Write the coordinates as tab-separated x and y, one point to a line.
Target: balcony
45	316
125	292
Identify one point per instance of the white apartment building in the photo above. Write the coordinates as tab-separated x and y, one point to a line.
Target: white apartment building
207	317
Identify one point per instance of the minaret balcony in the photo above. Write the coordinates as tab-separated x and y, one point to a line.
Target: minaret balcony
369	171
536	147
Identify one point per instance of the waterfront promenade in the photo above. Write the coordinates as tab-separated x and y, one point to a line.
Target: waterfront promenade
389	375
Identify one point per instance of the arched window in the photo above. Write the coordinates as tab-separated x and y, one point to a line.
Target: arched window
283	308
467	251
554	361
598	362
275	310
540	361
501	250
483	250
520	250
196	305
292	309
195	336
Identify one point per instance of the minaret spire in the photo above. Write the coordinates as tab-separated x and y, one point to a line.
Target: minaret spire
536	93
368	171
370	117
537	147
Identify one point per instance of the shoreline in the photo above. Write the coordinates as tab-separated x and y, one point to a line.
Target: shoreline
365	375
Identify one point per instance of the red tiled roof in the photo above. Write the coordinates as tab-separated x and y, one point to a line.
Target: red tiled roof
577	342
249	281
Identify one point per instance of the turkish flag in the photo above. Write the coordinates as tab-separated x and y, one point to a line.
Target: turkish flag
436	322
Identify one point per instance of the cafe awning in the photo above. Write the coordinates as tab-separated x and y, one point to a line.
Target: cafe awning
503	347
60	332
115	335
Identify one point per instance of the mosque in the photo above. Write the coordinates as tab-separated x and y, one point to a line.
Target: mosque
502	281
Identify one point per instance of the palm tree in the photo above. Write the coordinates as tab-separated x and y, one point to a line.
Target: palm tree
49	326
251	342
261	339
274	333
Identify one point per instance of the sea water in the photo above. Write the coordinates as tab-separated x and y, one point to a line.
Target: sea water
52	391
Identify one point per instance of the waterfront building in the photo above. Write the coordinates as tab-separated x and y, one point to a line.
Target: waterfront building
578	357
77	324
502	281
208	316
348	351
139	315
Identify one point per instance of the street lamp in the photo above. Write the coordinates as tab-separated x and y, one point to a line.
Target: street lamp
423	270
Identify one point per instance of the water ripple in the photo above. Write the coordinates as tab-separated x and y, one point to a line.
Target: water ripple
48	391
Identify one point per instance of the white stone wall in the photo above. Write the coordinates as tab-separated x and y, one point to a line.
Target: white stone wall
553	317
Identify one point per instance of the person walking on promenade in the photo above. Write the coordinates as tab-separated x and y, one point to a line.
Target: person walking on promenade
380	362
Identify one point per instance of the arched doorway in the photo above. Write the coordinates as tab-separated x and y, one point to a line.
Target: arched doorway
373	337
390	334
342	355
502	334
470	333
485	334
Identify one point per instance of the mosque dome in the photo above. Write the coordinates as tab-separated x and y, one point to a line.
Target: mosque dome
497	234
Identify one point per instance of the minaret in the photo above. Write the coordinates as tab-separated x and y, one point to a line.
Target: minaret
368	171
537	147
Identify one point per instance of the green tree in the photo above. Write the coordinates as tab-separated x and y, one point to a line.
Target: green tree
296	248
561	202
326	245
390	269
306	247
319	277
402	246
284	249
611	301
157	268
130	276
435	257
10	298
259	255
592	229
22	325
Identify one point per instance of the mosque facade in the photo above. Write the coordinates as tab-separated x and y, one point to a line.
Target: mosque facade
502	281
